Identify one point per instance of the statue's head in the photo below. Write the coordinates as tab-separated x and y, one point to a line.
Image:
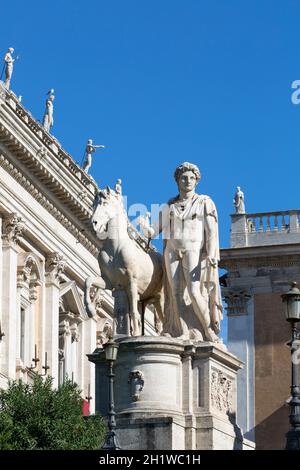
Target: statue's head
11	50
90	141
107	206
187	175
119	181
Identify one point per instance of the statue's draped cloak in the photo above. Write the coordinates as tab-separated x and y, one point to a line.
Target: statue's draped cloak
204	208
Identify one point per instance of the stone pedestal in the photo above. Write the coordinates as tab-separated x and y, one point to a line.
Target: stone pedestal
171	394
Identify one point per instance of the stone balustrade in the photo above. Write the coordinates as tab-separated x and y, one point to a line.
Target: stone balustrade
265	228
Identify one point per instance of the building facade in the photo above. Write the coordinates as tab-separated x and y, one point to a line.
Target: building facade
47	251
263	259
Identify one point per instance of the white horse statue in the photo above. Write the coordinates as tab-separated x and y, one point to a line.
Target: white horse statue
124	264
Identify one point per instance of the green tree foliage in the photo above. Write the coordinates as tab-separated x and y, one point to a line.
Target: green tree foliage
36	416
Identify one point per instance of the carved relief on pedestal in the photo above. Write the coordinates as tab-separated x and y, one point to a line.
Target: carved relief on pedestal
236	300
55	266
136	381
13	227
221	391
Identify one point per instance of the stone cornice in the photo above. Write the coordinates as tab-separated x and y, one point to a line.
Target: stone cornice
273	256
47	140
39	162
31	155
48	205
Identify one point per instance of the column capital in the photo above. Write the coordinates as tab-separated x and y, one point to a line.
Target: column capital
236	300
55	266
12	228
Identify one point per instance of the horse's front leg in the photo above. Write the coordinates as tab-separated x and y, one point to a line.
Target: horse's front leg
159	313
135	318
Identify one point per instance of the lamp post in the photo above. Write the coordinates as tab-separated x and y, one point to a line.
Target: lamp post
111	441
292	310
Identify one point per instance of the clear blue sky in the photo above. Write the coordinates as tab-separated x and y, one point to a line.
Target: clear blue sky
164	81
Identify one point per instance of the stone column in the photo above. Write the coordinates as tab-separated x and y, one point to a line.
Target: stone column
55	265
240	313
188	397
12	229
75	339
1	309
33	295
88	345
65	340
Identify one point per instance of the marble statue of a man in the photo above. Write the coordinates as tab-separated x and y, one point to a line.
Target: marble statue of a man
239	201
9	65
191	254
48	116
118	187
89	149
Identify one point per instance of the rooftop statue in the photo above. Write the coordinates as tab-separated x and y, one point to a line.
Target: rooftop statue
239	201
89	149
48	115
118	187
9	65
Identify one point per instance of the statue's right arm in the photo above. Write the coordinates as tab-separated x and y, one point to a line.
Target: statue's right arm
160	223
152	231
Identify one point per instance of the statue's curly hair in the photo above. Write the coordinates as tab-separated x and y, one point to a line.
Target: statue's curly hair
186	166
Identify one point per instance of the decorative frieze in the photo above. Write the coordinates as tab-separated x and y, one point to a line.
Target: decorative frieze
79	234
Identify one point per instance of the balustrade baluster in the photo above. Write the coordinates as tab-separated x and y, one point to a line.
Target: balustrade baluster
261	224
276	224
268	229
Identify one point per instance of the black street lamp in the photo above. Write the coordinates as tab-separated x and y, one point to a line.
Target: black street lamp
111	440
292	311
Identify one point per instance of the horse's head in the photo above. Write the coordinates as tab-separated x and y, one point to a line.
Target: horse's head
107	206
